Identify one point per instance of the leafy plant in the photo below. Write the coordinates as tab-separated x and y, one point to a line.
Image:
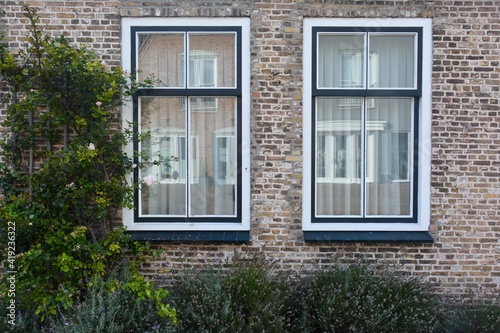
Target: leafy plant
358	298
244	294
479	316
110	306
64	176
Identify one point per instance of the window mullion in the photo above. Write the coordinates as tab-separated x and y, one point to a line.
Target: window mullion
364	157
364	117
188	155
186	60
366	61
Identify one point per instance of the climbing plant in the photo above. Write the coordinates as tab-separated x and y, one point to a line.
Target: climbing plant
63	174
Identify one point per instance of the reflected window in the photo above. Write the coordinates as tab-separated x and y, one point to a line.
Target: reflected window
193	131
365	106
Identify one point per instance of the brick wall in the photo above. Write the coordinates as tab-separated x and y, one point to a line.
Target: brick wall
465	222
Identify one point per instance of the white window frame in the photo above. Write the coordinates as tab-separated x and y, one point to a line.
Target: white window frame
244	23
424	128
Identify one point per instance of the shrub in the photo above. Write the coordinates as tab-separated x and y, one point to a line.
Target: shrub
357	298
244	294
26	321
110	307
481	316
63	178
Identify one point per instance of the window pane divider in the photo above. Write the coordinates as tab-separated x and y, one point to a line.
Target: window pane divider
364	152
217	92
368	92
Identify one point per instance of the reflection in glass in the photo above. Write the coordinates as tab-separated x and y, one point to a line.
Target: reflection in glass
211	60
388	190
164	119
161	56
202	169
213	192
338	156
393	61
340	61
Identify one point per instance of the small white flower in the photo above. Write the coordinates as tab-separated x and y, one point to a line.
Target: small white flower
98	103
103	63
149	180
134	166
91	146
127	74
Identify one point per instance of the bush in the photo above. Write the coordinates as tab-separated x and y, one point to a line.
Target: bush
357	298
247	294
108	306
243	295
481	316
26	321
63	178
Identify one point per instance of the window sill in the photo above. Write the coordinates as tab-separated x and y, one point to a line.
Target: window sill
368	236
191	236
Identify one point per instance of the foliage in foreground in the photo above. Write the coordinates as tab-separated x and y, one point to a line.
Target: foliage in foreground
481	316
64	175
245	294
109	306
358	298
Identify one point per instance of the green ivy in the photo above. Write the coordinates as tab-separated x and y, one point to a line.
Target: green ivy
64	173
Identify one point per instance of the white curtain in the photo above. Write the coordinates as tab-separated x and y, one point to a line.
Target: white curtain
341	58
212	59
199	179
393	61
202	71
338	156
208	195
340	61
161	56
164	118
385	156
388	156
384	149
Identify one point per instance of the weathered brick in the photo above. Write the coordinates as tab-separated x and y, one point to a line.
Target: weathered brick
465	197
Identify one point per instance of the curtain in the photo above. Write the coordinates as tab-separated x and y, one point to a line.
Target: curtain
340	61
338	156
161	56
392	60
363	144
388	156
385	156
199	178
212	60
209	194
341	58
164	118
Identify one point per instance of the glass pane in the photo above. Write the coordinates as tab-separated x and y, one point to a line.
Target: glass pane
161	56
388	162
212	60
392	61
340	61
164	118
213	156
338	156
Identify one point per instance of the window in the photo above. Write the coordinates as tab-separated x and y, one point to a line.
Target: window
197	118
366	125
